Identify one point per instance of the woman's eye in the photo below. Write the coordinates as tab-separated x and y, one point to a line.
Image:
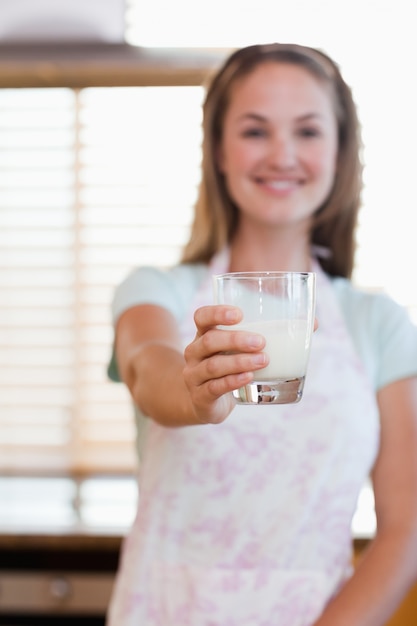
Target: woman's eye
309	132
254	132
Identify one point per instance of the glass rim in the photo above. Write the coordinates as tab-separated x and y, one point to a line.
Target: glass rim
262	274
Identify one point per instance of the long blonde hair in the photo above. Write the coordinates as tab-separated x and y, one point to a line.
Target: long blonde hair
334	223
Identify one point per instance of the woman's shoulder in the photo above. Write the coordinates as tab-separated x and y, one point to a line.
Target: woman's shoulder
372	305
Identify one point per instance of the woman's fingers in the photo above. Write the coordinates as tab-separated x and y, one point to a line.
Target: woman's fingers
216	315
210	339
220	365
221	359
215	341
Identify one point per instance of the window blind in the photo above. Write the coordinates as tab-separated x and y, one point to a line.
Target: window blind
92	183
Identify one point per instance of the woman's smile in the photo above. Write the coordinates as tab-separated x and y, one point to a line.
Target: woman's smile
280	187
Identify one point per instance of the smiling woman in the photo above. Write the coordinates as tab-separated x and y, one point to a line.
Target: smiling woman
265	495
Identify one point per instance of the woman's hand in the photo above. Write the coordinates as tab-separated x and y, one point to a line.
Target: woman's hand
219	361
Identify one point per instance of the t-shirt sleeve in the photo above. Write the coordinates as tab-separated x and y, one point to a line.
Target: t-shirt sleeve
382	331
395	338
144	285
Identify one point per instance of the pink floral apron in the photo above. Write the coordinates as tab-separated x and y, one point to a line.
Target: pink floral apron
248	523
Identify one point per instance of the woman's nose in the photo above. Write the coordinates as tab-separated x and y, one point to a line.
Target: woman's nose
282	152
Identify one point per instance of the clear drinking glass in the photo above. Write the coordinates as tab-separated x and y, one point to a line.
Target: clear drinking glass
281	307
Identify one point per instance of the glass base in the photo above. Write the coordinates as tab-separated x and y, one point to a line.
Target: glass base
280	391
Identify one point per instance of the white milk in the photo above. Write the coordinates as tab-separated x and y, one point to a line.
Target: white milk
287	345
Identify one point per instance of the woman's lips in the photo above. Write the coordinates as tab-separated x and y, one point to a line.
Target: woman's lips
280	186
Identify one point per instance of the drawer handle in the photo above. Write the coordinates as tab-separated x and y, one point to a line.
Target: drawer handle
60	589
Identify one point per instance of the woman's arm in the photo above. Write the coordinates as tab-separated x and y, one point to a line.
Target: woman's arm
176	388
389	566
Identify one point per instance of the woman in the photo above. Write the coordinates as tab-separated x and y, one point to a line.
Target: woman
245	512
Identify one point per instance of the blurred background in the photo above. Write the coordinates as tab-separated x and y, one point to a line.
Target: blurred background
100	114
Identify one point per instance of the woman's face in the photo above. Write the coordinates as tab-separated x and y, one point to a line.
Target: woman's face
279	145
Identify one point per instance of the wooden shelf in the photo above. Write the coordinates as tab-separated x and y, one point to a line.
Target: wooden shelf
102	65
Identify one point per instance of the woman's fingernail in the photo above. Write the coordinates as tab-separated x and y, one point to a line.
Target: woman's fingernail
255	341
230	315
259	359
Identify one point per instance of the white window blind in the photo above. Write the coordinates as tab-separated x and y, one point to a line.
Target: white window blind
91	184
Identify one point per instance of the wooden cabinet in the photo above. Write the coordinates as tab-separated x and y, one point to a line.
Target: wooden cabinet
56	581
67	580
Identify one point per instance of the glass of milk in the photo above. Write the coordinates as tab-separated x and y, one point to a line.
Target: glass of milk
281	307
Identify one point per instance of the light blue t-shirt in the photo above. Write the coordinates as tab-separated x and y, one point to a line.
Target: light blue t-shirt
382	332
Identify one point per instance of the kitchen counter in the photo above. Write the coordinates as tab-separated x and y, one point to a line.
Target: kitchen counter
92	512
60	510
